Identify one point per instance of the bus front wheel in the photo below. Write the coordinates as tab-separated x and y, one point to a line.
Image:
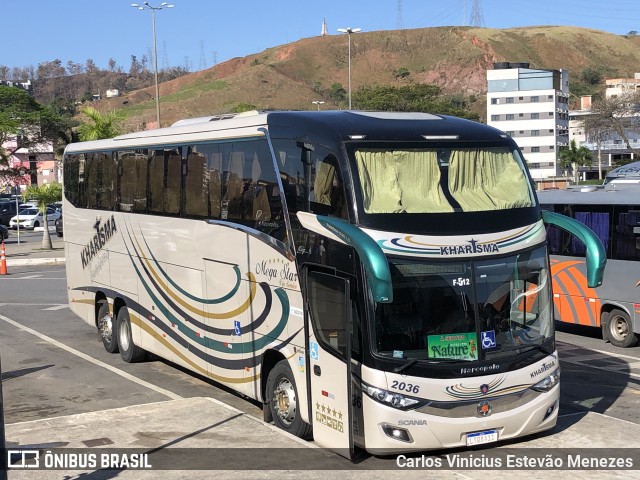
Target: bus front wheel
282	400
106	328
129	351
619	329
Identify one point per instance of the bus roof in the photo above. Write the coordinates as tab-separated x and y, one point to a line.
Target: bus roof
338	125
616	194
629	173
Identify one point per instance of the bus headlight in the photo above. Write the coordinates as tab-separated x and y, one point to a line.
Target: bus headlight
393	399
548	383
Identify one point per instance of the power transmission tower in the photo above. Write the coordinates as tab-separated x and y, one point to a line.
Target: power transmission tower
203	60
149	64
464	12
399	23
215	58
165	58
477	20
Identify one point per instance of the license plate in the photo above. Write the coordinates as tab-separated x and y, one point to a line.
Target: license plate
479	438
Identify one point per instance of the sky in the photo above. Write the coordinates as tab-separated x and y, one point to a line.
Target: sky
201	33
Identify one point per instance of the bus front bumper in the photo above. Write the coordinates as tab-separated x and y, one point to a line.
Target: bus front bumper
392	431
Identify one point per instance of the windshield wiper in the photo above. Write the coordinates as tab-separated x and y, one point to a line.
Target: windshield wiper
404	366
538	347
435	361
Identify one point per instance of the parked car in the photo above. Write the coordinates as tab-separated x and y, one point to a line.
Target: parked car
32	218
59	225
4	232
7	212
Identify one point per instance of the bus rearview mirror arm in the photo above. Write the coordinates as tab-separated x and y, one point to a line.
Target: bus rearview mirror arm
596	254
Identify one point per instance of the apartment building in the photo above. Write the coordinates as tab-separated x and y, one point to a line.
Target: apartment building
532	106
608	148
617	87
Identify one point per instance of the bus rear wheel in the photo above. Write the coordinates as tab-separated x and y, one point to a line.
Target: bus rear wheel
129	351
620	329
106	328
282	401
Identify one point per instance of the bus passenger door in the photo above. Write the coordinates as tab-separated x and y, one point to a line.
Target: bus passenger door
329	347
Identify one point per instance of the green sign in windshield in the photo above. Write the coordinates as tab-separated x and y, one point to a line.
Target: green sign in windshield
457	346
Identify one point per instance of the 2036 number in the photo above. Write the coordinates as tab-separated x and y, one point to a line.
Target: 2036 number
405	387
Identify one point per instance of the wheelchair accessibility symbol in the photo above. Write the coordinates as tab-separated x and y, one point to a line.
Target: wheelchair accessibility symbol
313	351
488	339
236	328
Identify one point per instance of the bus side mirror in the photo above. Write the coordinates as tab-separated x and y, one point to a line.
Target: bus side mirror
596	254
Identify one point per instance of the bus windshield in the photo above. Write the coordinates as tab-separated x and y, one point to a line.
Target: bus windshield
441	180
466	311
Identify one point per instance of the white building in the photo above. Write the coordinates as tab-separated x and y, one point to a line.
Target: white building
608	148
531	105
617	87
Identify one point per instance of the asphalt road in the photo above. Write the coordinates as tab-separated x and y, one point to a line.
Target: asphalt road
53	364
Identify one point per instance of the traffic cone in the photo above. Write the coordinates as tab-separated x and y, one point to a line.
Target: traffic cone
3	261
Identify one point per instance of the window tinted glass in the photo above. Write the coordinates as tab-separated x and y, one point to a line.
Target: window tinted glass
311	178
133	180
328	310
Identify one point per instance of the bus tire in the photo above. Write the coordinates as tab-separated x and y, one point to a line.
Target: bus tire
107	328
620	329
282	401
129	351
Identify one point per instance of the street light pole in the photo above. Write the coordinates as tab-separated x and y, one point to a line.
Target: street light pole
22	173
153	9
318	103
349	31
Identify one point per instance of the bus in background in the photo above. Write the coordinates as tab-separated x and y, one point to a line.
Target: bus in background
380	280
613	213
626	174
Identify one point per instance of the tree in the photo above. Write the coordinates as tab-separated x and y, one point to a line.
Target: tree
591	76
617	115
99	125
596	128
401	73
243	107
412	98
23	118
44	195
337	93
575	156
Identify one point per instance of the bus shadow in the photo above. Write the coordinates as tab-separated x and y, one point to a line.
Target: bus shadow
581	330
213	383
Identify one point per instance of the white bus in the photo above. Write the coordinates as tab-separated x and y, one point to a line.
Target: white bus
629	174
380	280
613	213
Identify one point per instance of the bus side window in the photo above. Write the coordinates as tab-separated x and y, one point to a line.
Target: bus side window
71	178
132	165
328	197
215	183
232	185
173	184
196	185
165	170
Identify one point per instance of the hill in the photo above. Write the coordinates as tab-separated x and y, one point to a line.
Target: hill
291	76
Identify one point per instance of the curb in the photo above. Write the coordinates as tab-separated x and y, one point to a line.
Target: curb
16	262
